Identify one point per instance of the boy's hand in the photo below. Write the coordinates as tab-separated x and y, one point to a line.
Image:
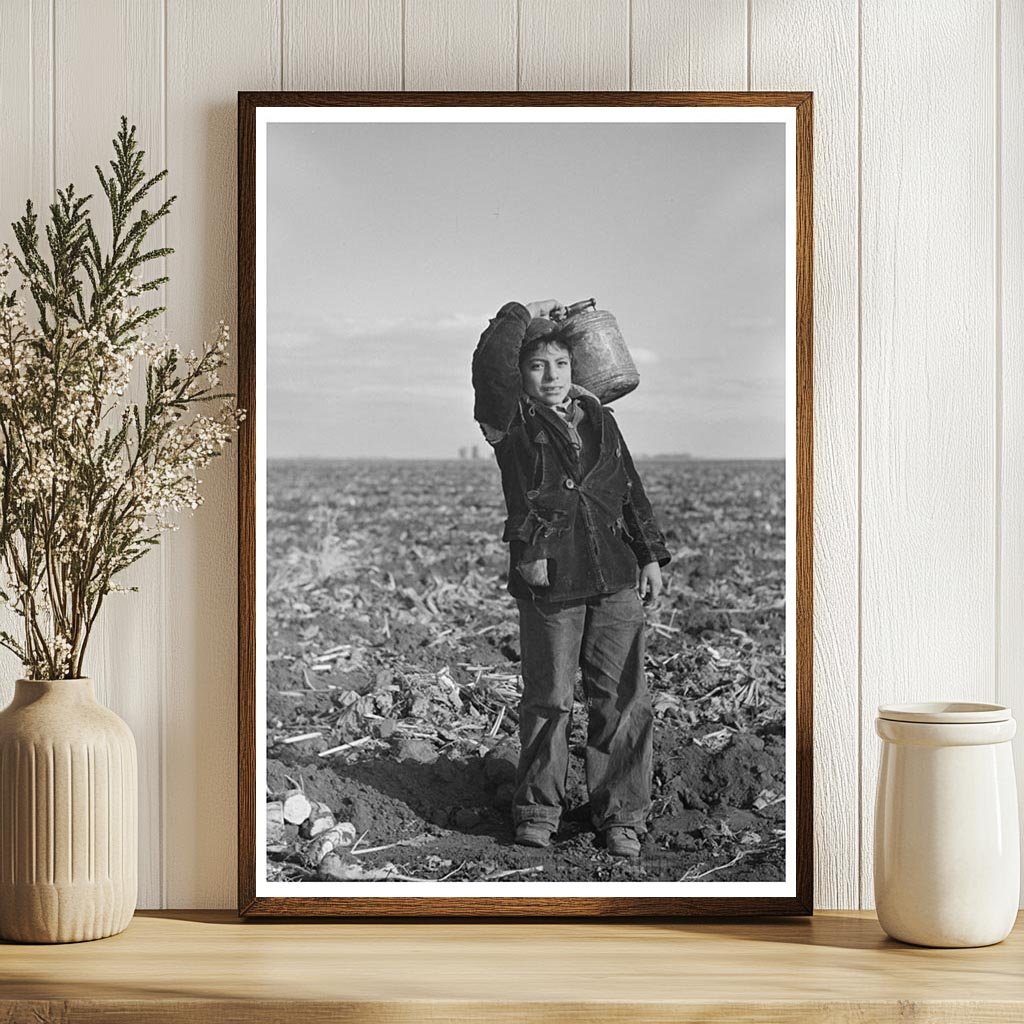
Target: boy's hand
550	308
650	582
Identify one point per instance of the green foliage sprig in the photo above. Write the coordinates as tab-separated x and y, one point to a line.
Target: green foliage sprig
89	478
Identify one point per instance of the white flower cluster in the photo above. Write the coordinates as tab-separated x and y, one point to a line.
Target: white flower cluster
19	339
60	651
171	482
92	471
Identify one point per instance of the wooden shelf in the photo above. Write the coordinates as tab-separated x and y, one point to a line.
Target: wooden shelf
210	967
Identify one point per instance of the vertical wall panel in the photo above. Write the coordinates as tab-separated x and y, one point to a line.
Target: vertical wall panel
122	658
466	45
814	46
213	51
928	363
26	170
689	44
574	44
26	68
1010	680
342	44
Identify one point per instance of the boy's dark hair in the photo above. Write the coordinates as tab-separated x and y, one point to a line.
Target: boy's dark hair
532	345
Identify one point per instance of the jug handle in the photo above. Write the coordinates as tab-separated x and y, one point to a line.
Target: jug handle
579	307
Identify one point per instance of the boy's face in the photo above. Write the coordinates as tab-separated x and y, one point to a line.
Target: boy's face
547	374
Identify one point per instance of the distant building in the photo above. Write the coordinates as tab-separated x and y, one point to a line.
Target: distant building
476	452
462	453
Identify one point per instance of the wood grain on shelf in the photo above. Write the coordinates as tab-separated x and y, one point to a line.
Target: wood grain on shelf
205	966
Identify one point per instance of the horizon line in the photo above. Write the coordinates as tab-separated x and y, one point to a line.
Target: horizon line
488	457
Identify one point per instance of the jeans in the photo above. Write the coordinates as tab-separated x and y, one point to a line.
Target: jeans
603	635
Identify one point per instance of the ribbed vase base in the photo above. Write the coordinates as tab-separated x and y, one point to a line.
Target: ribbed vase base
68	815
63	913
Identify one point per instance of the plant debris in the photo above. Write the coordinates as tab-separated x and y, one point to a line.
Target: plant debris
393	679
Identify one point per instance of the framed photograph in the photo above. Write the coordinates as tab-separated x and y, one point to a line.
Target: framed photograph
525	499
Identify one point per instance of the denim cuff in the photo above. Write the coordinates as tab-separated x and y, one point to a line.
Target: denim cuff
536	813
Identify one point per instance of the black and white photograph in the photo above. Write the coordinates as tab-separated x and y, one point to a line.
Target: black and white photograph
525	471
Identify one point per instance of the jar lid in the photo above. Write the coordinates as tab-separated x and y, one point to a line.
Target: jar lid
945	713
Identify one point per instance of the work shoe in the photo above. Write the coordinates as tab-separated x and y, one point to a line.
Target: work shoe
622	841
534	833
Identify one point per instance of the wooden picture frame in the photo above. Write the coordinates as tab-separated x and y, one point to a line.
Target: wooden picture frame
794	109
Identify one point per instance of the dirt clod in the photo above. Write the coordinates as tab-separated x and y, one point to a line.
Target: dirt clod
415	750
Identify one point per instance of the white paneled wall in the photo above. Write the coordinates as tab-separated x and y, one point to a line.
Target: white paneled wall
919	324
928	508
1009	315
781	58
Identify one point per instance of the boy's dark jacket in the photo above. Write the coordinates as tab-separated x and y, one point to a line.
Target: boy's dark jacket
596	526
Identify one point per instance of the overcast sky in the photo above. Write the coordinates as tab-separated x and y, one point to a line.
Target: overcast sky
390	246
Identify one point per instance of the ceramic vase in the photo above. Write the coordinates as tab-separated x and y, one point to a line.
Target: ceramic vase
68	815
947	847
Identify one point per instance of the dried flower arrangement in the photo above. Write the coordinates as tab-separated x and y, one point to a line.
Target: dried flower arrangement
88	477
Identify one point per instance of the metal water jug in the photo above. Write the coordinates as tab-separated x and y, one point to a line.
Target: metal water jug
601	363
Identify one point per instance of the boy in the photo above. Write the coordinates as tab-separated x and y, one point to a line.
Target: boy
579	527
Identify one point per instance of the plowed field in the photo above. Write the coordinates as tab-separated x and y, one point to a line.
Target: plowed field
391	636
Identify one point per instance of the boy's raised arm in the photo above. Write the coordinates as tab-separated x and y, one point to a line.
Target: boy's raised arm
496	378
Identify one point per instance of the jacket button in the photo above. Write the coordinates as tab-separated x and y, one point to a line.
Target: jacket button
570	484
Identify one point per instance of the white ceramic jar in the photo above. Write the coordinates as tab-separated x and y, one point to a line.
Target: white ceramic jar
947	847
